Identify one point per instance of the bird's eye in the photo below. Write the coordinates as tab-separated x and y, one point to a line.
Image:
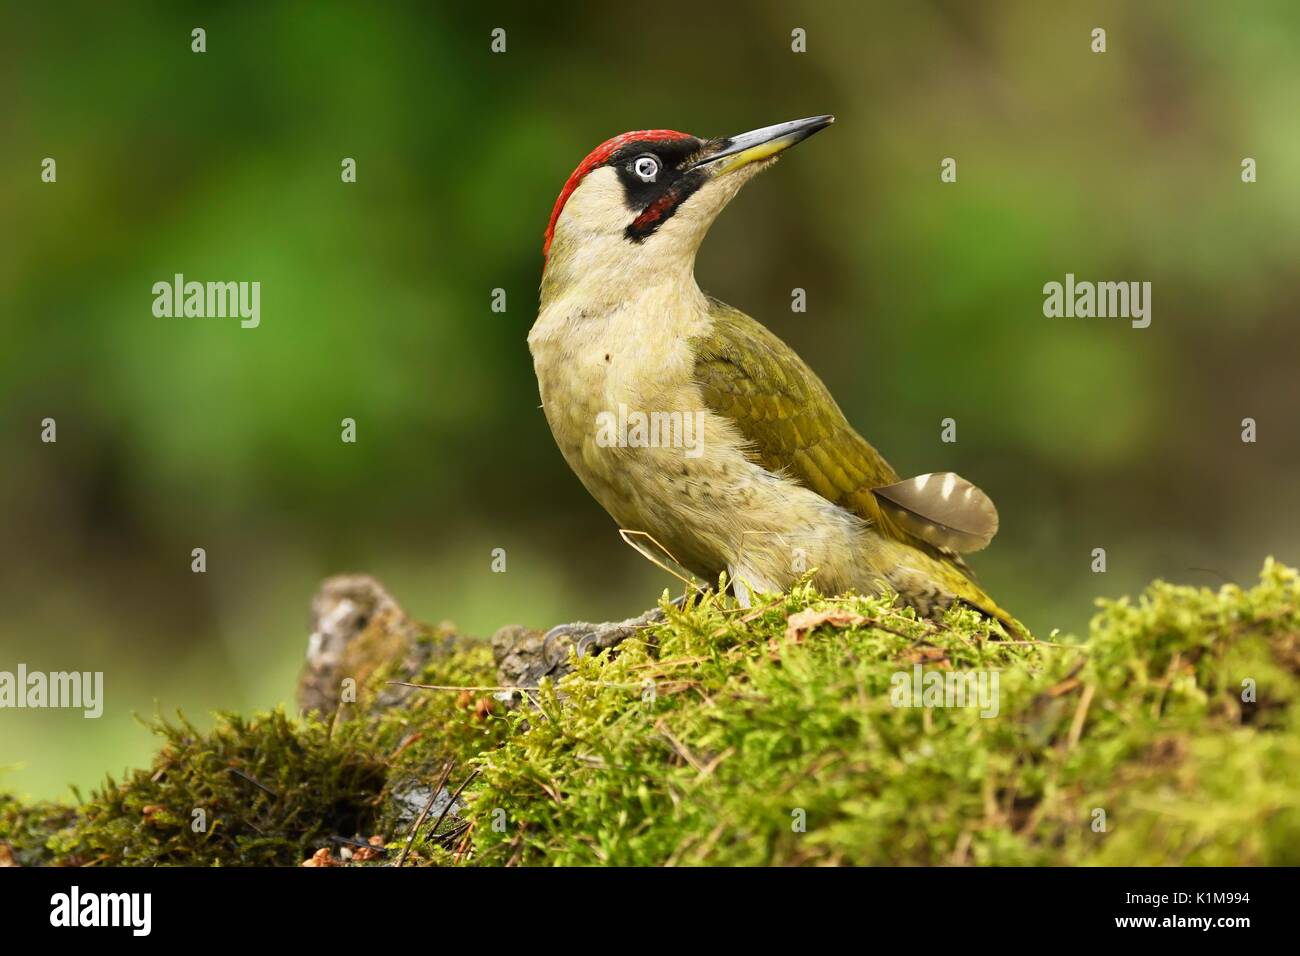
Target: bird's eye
647	168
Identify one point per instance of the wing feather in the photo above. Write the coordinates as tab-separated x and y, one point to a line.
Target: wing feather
792	423
795	427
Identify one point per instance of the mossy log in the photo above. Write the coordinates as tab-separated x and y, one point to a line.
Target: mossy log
783	734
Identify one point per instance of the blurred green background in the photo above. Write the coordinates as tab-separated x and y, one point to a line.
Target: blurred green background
924	302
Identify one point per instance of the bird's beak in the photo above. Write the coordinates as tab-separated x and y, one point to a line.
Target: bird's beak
721	156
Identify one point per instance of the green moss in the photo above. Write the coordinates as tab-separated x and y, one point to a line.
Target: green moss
25	827
718	739
266	791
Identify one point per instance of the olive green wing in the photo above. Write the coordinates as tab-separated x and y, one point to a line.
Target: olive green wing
788	416
794	427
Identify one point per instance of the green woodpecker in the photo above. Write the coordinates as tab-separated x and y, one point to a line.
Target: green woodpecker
691	422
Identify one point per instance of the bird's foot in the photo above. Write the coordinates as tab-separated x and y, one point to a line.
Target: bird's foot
524	656
587	638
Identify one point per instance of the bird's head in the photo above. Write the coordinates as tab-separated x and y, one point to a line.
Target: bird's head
642	202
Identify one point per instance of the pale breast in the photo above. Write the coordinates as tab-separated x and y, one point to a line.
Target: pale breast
617	393
620	396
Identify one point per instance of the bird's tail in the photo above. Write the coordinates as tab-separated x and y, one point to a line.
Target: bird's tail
932	585
971	594
981	602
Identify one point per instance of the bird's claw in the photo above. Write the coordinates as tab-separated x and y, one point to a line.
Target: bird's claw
587	638
583	638
549	656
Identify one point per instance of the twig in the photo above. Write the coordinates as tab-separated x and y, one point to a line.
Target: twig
464	844
755	614
437	823
960	851
680	747
1158	704
713	764
359	843
254	781
481	688
875	624
406	742
452	834
627	534
1080	715
1077	647
415	827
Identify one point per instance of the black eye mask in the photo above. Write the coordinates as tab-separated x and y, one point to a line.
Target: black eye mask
655	202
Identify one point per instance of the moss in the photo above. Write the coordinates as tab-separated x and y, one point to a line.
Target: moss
25	827
267	791
728	736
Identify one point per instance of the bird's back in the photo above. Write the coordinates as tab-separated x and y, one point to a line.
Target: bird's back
795	428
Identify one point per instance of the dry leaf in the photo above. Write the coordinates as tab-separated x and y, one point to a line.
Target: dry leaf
803	623
928	654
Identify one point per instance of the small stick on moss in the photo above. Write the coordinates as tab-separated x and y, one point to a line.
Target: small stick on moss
714	835
406	742
1078	647
1070	682
1158	704
713	764
665	665
1080	715
452	834
464	844
678	746
757	613
483	689
875	623
415	827
360	844
254	781
437	823
961	851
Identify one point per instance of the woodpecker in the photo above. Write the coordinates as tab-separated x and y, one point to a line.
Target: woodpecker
737	459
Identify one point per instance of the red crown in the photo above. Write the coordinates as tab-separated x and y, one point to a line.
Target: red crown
597	157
